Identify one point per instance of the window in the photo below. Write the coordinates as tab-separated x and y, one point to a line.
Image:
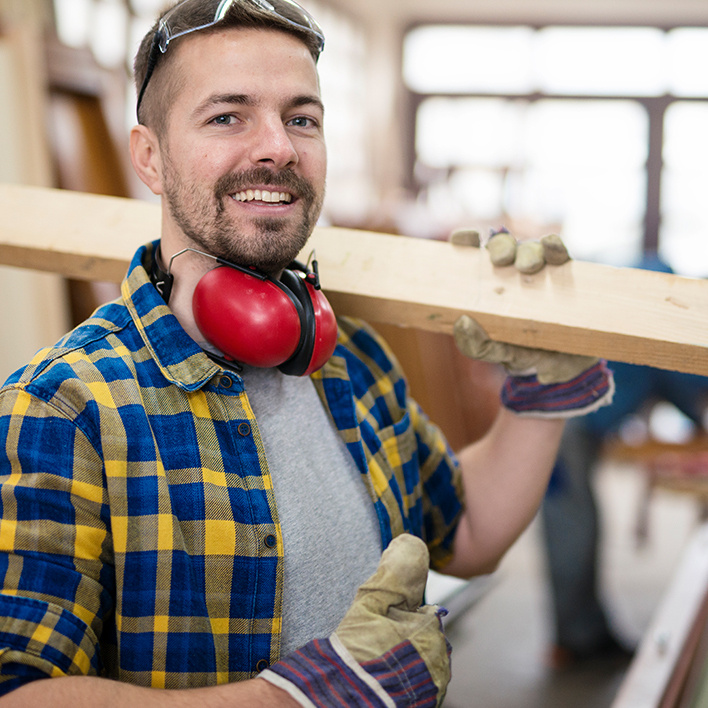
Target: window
684	232
596	131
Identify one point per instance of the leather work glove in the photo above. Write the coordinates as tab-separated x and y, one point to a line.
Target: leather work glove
387	651
528	257
549	367
541	383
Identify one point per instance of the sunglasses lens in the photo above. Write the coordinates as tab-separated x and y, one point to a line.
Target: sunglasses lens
188	16
192	15
297	16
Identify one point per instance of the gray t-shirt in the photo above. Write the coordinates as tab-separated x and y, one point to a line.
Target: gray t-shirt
331	536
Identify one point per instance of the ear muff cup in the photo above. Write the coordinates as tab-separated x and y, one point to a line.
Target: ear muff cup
287	324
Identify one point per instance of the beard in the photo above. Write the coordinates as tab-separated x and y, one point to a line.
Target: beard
274	242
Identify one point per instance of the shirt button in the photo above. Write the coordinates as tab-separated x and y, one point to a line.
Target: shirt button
244	429
262	665
270	541
226	381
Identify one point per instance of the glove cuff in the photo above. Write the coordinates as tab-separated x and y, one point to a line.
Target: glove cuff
587	392
323	674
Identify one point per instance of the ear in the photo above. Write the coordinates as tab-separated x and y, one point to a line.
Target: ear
145	156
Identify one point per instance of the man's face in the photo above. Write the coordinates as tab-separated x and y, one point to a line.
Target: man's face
243	156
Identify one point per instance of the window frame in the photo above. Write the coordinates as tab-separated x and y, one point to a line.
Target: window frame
655	107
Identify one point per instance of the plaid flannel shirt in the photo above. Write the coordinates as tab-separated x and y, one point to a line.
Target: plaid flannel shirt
139	534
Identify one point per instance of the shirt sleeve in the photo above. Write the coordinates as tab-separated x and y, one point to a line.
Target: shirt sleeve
55	561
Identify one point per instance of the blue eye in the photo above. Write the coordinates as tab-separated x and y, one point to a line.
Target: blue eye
226	119
303	122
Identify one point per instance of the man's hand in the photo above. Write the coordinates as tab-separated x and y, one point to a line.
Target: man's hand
388	649
548	367
541	383
527	256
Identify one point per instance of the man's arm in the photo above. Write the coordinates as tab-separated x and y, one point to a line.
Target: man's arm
504	475
92	692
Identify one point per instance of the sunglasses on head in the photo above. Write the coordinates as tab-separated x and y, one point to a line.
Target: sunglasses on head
177	23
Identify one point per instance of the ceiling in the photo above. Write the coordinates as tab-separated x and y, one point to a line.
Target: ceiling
405	12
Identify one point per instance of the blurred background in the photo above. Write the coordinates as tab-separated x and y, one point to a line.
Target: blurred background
583	117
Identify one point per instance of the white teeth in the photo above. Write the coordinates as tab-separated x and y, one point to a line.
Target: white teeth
263	195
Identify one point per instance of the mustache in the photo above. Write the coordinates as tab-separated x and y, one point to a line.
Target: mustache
284	180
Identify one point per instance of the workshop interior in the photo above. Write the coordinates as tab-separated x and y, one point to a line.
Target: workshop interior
585	118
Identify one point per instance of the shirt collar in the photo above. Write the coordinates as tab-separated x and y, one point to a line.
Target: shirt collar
180	358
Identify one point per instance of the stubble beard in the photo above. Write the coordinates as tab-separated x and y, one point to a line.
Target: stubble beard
274	242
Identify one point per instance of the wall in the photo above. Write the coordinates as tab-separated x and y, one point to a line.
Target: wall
33	311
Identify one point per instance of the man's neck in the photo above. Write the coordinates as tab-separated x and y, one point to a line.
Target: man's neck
186	270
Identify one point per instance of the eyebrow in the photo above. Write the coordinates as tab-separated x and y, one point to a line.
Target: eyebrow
306	101
241	99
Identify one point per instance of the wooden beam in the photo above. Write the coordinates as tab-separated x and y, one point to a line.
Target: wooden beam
585	308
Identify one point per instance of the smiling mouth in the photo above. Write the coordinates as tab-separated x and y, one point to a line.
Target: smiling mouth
263	195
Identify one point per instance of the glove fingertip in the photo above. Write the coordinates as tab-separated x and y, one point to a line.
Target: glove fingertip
554	250
529	258
408	547
400	577
465	237
502	249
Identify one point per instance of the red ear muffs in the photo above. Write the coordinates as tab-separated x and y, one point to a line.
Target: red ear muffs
263	322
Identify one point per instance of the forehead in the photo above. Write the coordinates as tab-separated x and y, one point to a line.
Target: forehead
253	59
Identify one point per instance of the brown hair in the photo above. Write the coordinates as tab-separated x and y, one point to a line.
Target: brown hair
163	83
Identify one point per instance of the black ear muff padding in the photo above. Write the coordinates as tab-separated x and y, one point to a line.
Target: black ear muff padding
298	290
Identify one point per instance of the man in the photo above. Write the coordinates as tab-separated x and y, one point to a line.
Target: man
141	539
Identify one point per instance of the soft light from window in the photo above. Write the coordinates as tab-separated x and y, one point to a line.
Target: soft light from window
602	61
476	131
108	35
479	192
684	234
148	8
73	21
585	171
453	59
688	61
586	133
686	136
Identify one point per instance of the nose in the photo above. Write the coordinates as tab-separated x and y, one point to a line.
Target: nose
271	144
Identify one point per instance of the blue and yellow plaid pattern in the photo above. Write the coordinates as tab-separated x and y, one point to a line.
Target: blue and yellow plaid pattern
139	534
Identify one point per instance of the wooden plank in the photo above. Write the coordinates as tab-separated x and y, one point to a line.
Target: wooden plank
585	308
657	675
